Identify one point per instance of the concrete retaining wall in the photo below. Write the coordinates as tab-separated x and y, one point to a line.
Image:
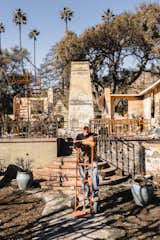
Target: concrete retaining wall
39	151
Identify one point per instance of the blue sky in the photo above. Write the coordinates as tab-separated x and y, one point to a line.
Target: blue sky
44	15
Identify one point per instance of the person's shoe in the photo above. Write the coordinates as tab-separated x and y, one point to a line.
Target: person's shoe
87	204
95	195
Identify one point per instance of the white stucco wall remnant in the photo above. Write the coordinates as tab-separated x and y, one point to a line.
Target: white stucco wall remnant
80	96
152	158
147	106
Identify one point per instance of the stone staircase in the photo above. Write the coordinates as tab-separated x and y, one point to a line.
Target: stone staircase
60	174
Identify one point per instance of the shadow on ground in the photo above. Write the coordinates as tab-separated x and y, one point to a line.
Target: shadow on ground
119	217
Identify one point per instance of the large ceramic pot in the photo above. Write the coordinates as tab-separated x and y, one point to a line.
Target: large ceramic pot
142	195
24	180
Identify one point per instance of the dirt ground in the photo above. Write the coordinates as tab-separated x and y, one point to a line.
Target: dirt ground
17	210
119	218
136	222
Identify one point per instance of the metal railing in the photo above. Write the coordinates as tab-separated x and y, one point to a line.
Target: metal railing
117	144
126	155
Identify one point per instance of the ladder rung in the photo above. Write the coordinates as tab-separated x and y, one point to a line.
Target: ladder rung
82	164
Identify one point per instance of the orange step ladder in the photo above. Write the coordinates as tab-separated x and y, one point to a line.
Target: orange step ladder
81	210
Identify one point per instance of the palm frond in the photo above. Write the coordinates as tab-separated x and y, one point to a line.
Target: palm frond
108	16
19	17
34	33
66	13
2	28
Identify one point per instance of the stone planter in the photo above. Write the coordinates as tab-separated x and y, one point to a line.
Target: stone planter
142	195
24	180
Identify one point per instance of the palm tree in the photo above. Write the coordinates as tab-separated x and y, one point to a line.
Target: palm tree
108	16
33	35
19	18
66	15
2	30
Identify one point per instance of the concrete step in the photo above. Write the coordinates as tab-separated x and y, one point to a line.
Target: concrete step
70	183
56	178
54	174
69	172
106	172
68	157
56	171
48	173
114	180
68	163
63	165
102	165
